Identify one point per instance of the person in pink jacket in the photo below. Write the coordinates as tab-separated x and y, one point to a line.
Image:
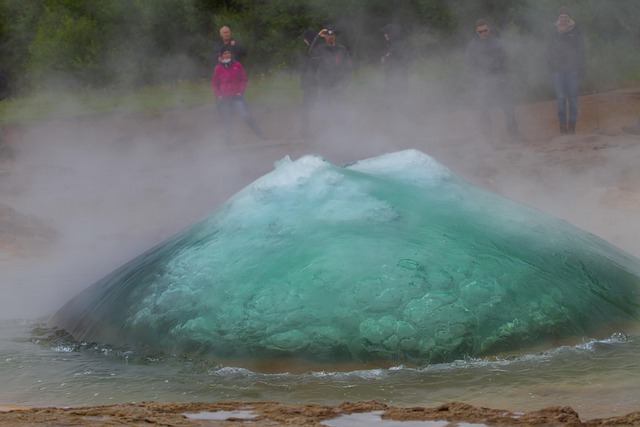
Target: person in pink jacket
229	82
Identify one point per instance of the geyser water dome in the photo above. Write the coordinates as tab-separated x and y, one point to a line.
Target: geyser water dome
390	258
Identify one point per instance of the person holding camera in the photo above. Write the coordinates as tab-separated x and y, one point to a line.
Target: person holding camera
334	66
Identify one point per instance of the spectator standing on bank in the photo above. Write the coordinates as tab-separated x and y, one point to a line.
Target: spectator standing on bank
488	71
334	67
229	82
237	50
308	82
567	60
395	63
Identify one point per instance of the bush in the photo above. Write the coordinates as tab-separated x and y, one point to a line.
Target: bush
65	48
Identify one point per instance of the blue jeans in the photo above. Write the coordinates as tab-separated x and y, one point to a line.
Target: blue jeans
566	88
226	106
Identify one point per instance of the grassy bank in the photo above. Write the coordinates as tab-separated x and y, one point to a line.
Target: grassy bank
436	83
183	94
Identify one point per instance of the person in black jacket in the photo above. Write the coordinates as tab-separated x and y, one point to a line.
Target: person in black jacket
566	57
334	67
488	72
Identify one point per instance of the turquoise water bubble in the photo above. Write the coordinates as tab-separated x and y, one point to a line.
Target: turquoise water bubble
392	258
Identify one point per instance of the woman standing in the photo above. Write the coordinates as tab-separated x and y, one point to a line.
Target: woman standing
566	55
229	82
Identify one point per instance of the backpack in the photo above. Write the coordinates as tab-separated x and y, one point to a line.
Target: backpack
5	90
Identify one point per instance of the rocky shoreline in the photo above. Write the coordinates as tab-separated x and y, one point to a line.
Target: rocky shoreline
274	413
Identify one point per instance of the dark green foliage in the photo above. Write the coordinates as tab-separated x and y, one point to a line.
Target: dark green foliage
65	45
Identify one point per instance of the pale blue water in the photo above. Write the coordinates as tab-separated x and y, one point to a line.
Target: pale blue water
596	377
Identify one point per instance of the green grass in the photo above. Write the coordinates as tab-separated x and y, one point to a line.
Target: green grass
431	79
50	105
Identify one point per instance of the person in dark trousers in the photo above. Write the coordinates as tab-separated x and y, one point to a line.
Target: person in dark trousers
334	67
308	82
395	63
487	69
237	50
567	60
229	82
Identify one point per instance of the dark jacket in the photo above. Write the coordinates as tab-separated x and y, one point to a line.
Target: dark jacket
567	52
486	58
333	63
237	50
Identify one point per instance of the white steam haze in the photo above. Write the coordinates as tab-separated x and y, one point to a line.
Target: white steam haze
113	186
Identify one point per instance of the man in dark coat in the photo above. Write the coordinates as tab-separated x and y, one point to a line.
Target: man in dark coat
488	71
333	67
566	57
237	50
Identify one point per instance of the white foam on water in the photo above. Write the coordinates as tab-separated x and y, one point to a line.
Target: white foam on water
408	165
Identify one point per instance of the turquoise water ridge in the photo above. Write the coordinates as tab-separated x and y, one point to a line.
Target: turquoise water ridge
390	258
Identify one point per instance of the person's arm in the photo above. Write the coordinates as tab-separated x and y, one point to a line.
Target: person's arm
240	50
242	79
215	83
470	62
551	44
582	52
348	65
313	48
502	62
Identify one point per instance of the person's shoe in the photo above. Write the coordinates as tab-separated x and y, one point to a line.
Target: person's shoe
571	129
